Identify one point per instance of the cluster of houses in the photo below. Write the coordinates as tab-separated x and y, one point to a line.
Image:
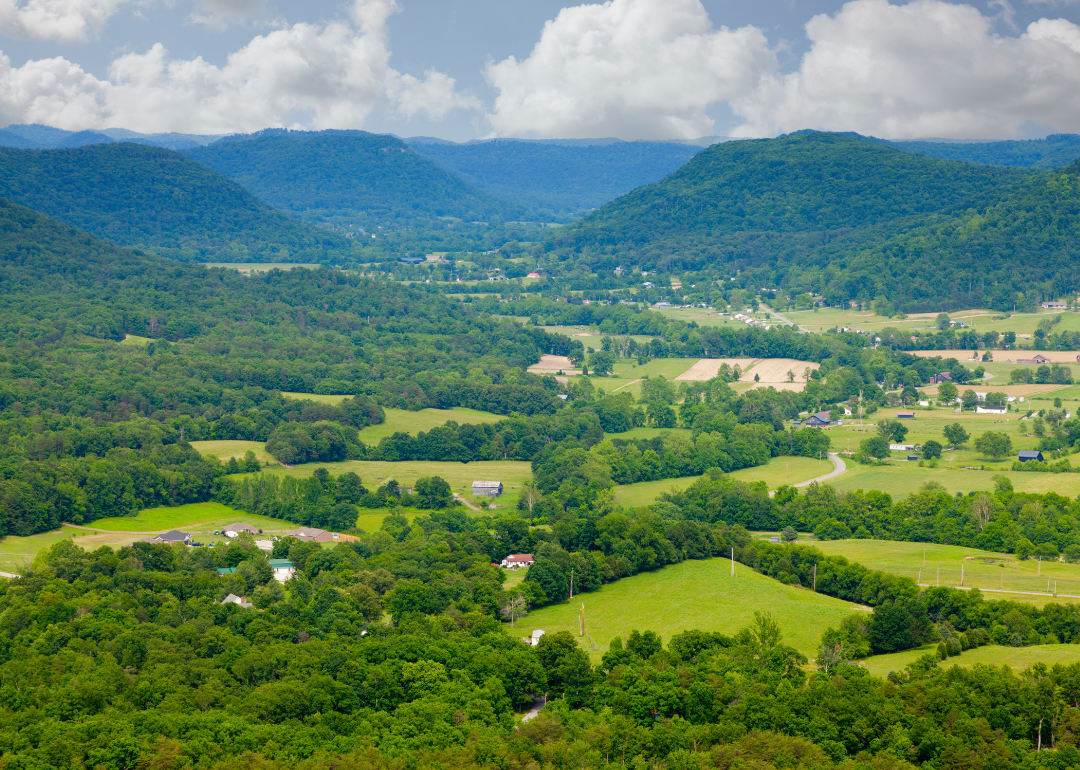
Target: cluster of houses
751	321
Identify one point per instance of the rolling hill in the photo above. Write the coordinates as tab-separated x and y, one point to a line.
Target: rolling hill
34	136
349	177
852	218
136	195
1054	151
566	178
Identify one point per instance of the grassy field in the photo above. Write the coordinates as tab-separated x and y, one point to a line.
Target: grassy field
902	478
627	372
460	476
982	569
135	340
16	553
400	420
223	450
1017	658
981	321
317	398
196	517
246	268
692	595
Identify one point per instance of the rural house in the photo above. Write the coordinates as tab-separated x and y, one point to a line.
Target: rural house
819	420
306	534
940	377
517	561
1060	305
412	260
232	530
489	488
533	640
283	569
172	537
984	409
238	600
1038	359
1030	454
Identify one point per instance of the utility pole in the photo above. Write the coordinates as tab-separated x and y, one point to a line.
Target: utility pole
571	582
733	561
581	621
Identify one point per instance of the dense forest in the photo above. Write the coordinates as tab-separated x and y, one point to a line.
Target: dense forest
863	219
135	195
1054	151
351	178
35	136
566	178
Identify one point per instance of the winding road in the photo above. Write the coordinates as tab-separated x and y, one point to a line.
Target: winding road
839	466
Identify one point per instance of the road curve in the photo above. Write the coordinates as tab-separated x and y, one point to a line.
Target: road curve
838	467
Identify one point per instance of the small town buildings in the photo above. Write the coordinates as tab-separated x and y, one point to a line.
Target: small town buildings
232	530
517	561
905	415
488	488
819	420
1030	454
984	409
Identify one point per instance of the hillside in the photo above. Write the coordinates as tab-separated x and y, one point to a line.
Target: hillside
568	179
1054	151
858	219
34	136
135	195
348	178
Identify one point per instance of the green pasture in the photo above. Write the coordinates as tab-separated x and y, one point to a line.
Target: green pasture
648	433
645	492
223	450
403	421
316	397
1017	658
692	595
135	340
980	321
628	372
17	553
985	570
460	476
902	478
195	517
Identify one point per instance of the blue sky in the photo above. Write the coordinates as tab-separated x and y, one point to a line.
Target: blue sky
637	69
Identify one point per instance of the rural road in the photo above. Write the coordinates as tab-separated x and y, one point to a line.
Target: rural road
769	310
839	467
538	704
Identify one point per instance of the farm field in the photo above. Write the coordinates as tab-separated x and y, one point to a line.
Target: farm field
692	595
979	320
203	517
778	471
773	373
982	569
223	450
902	478
707	368
16	553
460	476
401	420
1016	658
627	374
316	397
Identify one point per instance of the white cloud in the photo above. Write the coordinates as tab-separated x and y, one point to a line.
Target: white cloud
329	76
925	69
61	20
627	68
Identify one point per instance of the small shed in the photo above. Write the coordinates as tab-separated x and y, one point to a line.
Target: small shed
1030	454
905	415
488	488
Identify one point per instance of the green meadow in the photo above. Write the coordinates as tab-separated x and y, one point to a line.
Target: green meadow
402	421
1017	658
692	595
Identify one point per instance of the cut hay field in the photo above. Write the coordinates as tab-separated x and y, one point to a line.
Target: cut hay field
777	472
707	368
773	373
460	476
223	450
196	517
986	570
17	553
692	595
1016	658
401	420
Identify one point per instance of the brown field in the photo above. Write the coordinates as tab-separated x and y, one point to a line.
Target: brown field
772	373
553	365
707	368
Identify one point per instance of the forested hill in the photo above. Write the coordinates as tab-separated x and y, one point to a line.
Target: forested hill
1054	151
349	177
135	195
567	179
869	219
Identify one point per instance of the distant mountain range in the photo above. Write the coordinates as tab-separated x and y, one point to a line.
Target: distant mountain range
38	137
136	195
853	217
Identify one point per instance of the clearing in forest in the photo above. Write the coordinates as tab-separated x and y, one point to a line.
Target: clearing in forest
404	421
1017	658
554	365
691	595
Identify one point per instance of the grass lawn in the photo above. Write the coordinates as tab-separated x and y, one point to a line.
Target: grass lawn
400	420
692	595
1017	658
778	471
223	450
983	569
460	476
196	517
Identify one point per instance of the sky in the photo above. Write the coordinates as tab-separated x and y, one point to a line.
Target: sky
471	69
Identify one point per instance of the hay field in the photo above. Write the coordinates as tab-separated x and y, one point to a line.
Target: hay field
404	421
773	373
553	365
707	368
224	450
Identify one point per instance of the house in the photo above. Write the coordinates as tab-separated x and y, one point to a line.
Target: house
283	569
533	275
534	639
984	409
941	377
1038	359
1060	305
307	534
232	530
1030	454
489	488
172	537
901	447
238	600
819	420
517	561
412	260
497	278
774	539
905	415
